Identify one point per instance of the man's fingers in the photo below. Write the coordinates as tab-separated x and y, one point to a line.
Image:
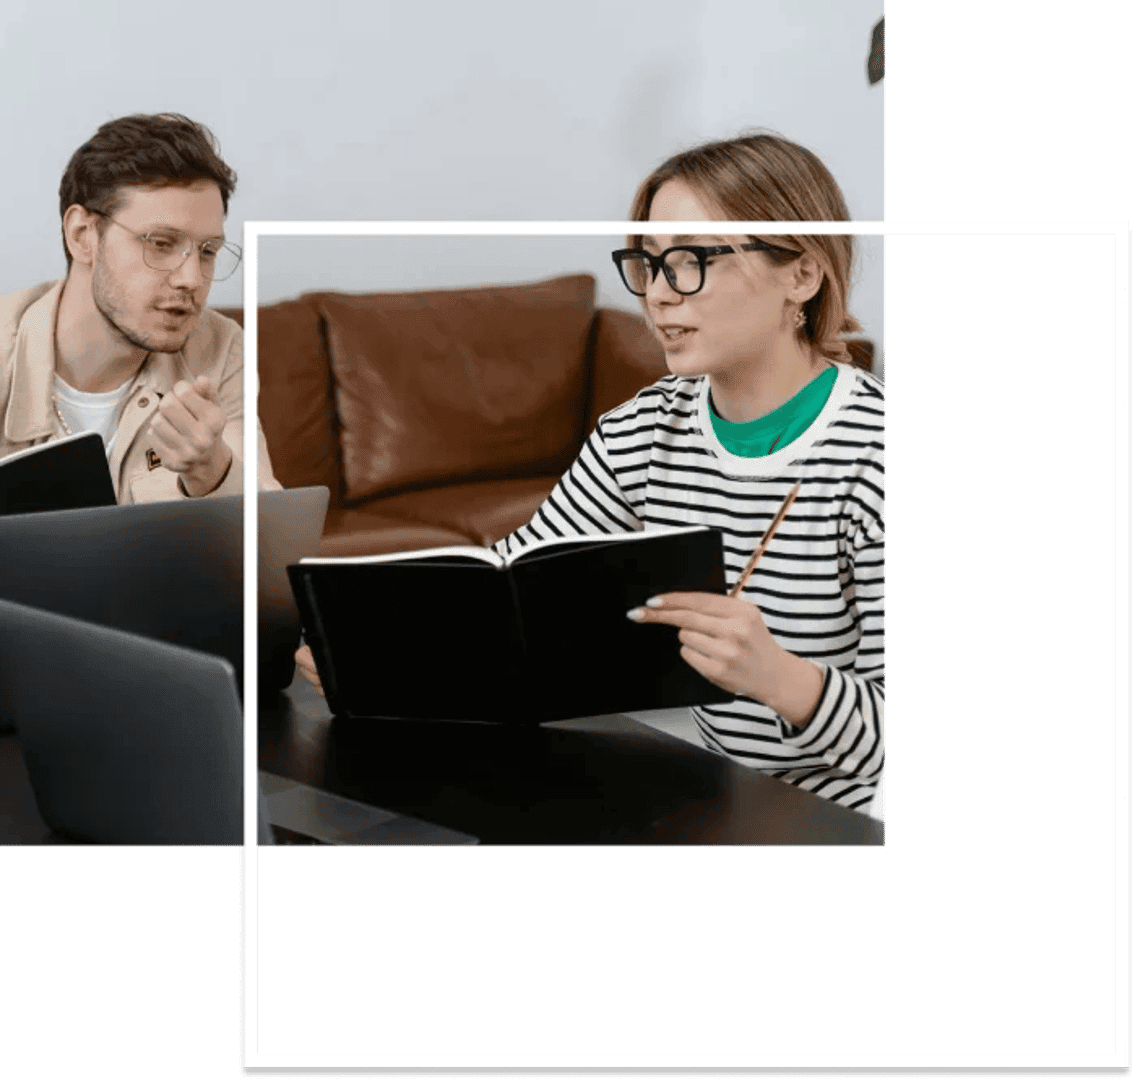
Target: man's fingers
175	410
167	445
206	387
172	444
198	400
196	436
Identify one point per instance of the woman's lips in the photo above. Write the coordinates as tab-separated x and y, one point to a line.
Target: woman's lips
673	335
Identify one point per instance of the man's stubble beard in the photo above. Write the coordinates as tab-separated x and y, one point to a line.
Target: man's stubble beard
107	300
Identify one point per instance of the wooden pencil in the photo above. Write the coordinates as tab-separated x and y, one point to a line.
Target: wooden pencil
765	541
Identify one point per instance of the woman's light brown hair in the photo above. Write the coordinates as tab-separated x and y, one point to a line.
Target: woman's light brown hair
763	177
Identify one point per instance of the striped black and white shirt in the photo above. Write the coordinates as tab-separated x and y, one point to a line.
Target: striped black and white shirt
655	461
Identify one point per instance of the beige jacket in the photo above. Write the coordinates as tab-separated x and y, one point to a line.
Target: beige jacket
27	378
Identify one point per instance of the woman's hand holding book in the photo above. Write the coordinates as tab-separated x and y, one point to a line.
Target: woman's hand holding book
726	640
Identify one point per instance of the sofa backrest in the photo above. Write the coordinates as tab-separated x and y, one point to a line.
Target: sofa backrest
377	393
450	384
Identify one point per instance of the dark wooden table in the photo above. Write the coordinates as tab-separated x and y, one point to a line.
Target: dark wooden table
599	780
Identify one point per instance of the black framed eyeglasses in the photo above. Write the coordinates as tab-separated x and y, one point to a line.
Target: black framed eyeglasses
684	265
167	250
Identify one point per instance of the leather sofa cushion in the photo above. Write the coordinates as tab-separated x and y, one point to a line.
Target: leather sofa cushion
295	405
438	386
484	510
372	532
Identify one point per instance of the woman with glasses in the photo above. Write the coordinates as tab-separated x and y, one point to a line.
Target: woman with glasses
759	397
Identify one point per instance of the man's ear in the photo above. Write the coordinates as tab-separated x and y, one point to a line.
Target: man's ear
80	230
807	277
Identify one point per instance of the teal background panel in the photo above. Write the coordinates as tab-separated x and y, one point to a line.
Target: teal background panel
986	924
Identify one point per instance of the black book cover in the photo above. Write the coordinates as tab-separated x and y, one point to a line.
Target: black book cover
67	474
455	637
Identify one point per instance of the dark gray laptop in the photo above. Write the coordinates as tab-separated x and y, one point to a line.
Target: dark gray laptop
127	740
169	570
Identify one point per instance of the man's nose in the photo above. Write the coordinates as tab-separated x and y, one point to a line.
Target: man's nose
190	274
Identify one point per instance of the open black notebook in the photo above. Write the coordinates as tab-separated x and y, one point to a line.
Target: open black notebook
458	633
66	474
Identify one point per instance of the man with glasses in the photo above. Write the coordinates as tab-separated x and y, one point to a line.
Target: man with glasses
124	344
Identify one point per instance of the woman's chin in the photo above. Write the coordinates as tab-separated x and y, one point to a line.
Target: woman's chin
685	365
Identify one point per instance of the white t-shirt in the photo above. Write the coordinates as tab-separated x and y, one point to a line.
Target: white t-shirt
91	412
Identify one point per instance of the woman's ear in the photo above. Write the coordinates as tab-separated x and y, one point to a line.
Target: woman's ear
80	230
807	277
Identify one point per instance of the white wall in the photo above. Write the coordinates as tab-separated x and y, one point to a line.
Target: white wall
498	109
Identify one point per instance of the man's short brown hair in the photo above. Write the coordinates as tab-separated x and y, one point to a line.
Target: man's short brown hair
141	151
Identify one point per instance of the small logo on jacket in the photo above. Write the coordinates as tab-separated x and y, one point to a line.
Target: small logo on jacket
153	460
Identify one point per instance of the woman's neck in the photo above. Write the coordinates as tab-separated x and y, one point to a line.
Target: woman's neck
756	387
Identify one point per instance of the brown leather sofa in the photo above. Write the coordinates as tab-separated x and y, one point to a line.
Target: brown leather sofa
441	417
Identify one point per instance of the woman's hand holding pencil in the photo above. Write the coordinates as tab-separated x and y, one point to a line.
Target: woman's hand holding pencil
725	639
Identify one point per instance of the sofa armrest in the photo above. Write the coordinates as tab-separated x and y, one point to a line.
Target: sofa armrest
623	358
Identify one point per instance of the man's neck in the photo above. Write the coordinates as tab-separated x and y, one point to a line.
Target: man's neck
89	354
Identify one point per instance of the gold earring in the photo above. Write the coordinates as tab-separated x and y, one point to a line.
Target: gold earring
801	318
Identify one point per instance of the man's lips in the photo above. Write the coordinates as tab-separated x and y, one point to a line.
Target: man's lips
180	310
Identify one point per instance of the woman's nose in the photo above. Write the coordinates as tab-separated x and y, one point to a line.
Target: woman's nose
660	291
